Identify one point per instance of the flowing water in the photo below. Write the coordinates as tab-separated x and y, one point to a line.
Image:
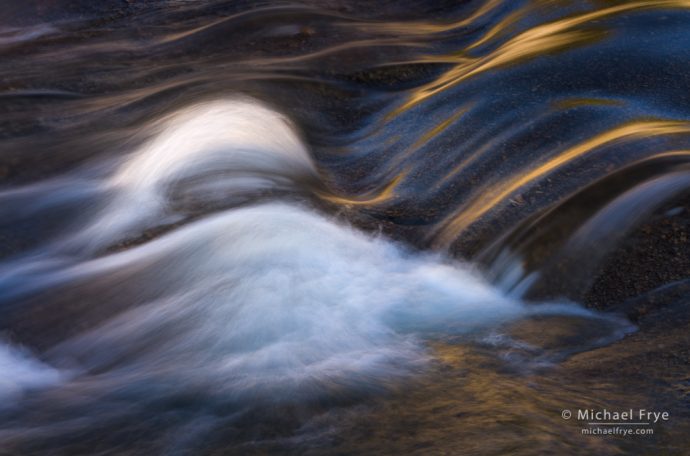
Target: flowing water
334	227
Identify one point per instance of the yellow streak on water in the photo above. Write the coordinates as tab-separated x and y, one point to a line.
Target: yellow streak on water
389	191
570	103
545	38
422	28
371	199
491	197
498	28
435	131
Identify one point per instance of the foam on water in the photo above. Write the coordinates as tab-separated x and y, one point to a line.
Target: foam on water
271	300
231	147
278	298
276	301
21	372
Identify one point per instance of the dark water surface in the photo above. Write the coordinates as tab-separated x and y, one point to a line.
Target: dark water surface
342	227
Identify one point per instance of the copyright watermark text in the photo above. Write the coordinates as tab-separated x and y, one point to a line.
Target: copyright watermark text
616	422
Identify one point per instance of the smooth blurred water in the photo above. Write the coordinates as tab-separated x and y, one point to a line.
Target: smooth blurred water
240	227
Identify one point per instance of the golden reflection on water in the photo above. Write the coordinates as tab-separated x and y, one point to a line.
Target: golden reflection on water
423	27
558	34
534	42
501	27
438	129
493	196
550	37
570	103
369	199
474	402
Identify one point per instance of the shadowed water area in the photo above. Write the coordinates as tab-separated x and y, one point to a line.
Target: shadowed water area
336	227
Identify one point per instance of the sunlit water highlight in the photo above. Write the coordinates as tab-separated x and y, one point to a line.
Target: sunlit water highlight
266	300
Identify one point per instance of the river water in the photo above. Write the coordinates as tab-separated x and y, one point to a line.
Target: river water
335	227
